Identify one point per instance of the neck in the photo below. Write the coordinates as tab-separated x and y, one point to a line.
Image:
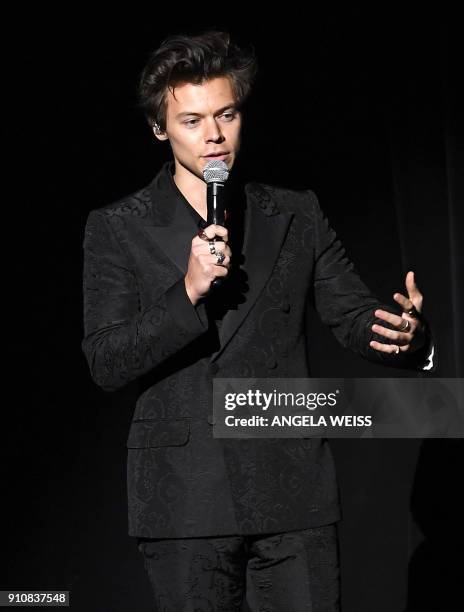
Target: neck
192	188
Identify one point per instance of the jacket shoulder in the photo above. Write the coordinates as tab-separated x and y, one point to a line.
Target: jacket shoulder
135	204
289	200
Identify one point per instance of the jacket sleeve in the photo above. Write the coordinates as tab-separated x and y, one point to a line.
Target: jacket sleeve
122	341
346	305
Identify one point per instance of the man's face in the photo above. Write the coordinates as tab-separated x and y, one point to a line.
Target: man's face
202	120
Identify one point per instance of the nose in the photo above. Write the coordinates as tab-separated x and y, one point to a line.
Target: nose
213	132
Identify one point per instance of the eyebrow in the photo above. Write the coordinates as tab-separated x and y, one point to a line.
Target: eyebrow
218	112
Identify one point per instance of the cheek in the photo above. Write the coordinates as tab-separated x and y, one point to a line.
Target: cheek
185	141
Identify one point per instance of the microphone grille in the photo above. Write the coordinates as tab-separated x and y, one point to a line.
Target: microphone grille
216	171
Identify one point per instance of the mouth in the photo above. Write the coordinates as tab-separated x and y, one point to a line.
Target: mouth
221	155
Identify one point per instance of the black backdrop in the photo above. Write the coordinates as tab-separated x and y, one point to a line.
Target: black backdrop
363	109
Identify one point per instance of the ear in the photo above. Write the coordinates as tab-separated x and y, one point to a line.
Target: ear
158	133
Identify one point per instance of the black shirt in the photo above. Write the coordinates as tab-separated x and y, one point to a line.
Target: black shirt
220	299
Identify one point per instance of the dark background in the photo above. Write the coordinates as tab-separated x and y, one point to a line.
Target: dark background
361	108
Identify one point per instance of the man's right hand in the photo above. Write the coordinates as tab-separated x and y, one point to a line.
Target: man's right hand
202	266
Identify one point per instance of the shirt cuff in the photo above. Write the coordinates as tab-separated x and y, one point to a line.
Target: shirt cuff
429	361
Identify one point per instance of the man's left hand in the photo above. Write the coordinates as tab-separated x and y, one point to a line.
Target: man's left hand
408	333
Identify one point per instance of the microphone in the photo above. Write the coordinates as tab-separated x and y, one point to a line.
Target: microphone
215	174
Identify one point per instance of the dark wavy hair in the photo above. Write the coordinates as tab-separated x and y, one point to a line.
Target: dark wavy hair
193	59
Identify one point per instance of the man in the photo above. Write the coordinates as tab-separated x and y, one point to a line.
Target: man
215	516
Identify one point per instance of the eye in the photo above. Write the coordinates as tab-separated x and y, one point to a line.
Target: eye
229	116
190	122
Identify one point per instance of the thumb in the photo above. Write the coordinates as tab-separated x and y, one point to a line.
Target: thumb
413	291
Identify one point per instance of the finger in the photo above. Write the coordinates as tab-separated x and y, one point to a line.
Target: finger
215	271
388	348
203	246
410	317
390	317
210	269
411	283
397	320
413	290
219	245
213	260
216	230
403	301
397	336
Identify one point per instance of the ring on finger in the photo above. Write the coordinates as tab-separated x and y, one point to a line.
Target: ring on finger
412	312
405	326
219	258
212	247
397	350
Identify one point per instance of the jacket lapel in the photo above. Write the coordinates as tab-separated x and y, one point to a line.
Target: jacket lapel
265	229
177	252
168	216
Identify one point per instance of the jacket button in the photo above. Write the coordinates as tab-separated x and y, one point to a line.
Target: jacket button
213	368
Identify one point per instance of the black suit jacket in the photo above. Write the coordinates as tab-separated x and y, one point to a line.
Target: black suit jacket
140	325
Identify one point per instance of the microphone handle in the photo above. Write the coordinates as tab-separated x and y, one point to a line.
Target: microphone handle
215	205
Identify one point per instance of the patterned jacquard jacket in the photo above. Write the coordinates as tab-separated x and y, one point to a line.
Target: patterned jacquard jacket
141	326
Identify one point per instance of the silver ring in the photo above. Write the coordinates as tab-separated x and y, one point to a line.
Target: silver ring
404	326
219	258
412	312
397	350
212	247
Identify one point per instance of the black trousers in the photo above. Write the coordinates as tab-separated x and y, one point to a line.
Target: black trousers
294	571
